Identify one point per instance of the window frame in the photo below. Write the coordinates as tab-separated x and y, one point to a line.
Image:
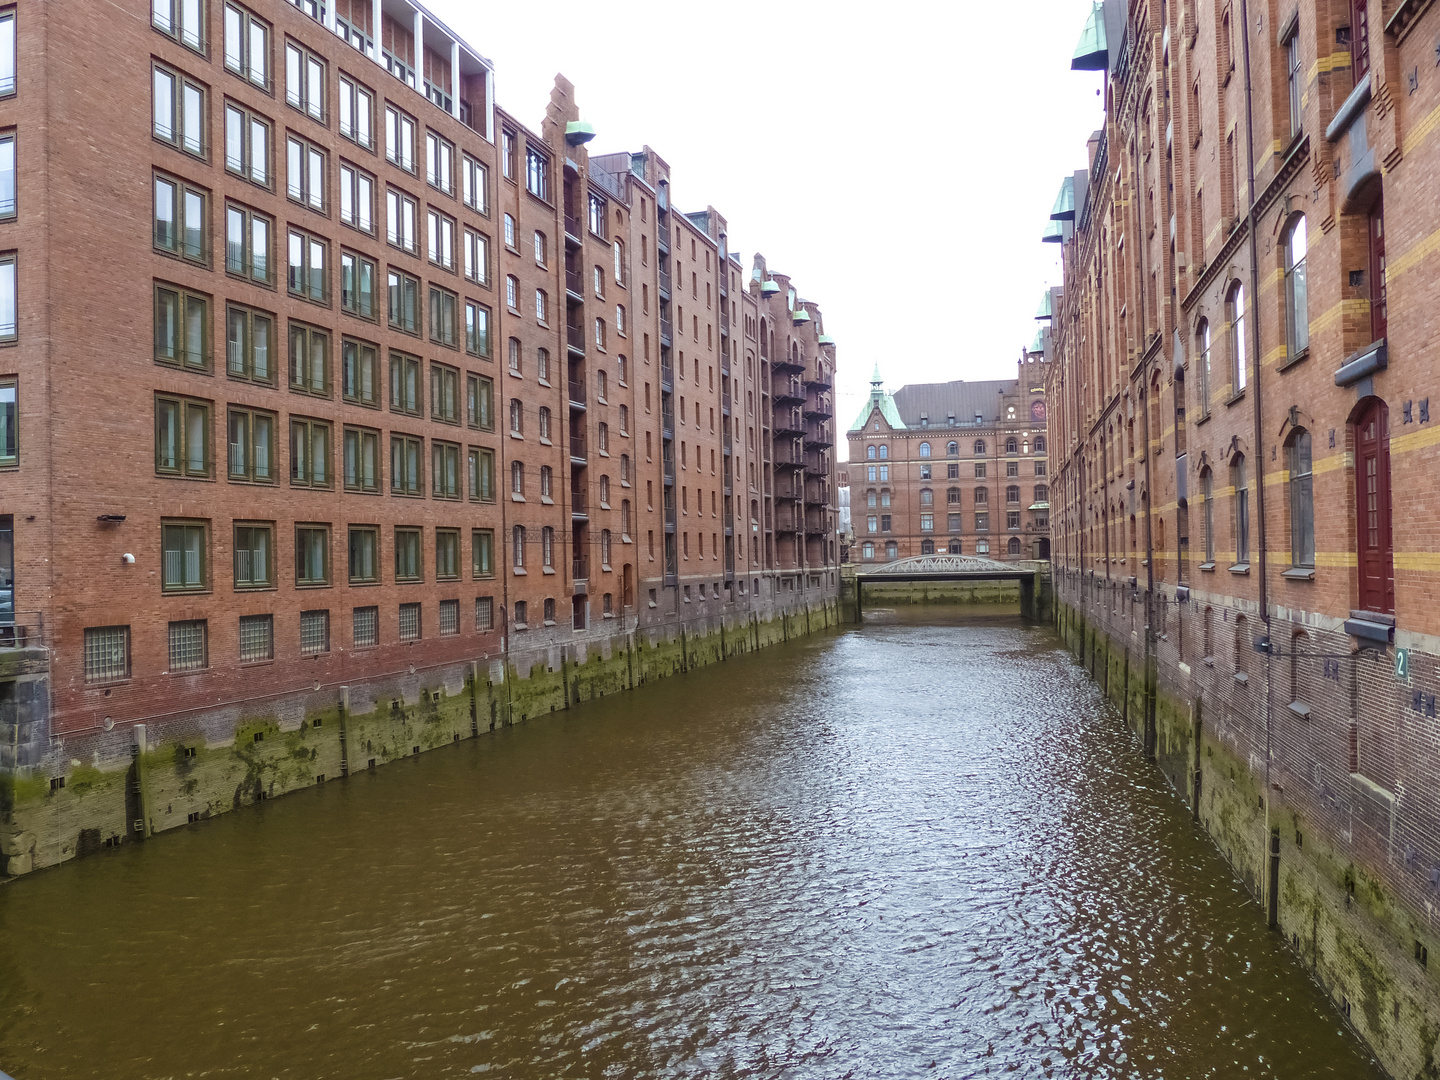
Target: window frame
254	528
302	380
405	369
482	554
438	145
304	532
356	212
188	525
250	121
479	401
412	536
397	122
197	40
352	265
184	406
315	432
181	190
408	287
251	474
302	99
249	217
475	184
357	436
373	533
445	470
358	93
310	242
245	68
178	125
183	298
410	446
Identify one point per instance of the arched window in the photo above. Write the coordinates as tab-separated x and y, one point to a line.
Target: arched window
927	497
952	496
924	449
1012	445
1013	547
867	550
1012	494
1302	500
952	449
982	497
979	446
884	452
1240	521
1202	365
869	453
1297	308
1039	444
1042	493
927	547
1207	499
892	550
1235	314
955	547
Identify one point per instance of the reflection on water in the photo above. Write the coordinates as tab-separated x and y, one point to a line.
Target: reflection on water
920	849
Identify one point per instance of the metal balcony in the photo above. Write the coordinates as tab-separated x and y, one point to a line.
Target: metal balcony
575	338
724	321
665	284
667	335
789	392
573	230
579	449
580	569
575	284
789	422
822	379
577	393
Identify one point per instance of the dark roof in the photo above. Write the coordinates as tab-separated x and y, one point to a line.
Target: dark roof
960	399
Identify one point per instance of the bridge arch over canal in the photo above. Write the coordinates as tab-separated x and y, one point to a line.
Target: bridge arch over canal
1034	577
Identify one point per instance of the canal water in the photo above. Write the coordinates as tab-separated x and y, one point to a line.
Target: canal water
924	848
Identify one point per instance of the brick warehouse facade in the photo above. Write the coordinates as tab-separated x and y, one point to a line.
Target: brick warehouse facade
954	467
411	419
1243	454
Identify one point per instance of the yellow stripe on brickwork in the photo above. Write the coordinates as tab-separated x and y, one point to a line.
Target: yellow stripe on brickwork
1416	440
1331	463
1275	355
1425	561
1412	256
1334	62
1336	558
1271	280
1358	308
1421	131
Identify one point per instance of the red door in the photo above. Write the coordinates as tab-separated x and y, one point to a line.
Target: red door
1372	504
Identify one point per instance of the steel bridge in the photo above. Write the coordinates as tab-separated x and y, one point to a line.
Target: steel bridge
945	567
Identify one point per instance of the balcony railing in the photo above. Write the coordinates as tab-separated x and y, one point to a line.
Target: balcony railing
788	391
573	229
575	337
22	630
667	334
580	569
579	502
724	321
577	392
574	283
725	402
788	454
579	450
665	283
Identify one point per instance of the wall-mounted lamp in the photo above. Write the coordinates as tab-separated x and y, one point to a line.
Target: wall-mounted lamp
127	559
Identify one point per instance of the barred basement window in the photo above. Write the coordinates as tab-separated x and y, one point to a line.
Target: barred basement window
362	460
364	555
182	437
249	345
257	638
254	568
314	632
407	555
312	555
449	618
484	613
251	438
247	243
365	627
179	111
247	144
107	654
482	553
409	622
182	328
310	453
182	215
188	646
358	277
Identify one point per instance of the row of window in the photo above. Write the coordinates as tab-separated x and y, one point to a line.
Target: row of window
953	496
952	449
927	547
882	523
183	339
878	473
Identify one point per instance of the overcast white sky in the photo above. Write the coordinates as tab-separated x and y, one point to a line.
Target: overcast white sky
899	160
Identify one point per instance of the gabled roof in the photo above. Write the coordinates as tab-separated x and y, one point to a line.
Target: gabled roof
879	400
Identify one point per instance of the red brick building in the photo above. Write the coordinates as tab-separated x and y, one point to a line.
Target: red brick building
1243	453
958	467
355	374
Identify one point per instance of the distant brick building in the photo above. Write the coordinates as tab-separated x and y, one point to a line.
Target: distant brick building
958	467
1243	455
318	368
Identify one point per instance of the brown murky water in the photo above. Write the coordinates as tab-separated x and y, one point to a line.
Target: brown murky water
912	850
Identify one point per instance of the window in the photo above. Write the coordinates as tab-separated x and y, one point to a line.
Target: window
1302	500
7	174
400	220
618	249
1012	494
952	522
537	174
927	522
605	548
441	239
927	497
404	302
477	257
482	559
365	629
182	328
407	555
254	568
444	329
539	247
884	472
475	184
595	214
310	453
184	549
247	243
1376	275
257	638
107	648
399	138
182	215
364	556
1235	315
404	384
547	547
1241	520
248	345
312	555
982	522
481	474
507	153
517	480
447	555
1371	436
547	476
542	306
357	198
314	632
512	293
182	437
358	375
884	452
305	172
444	470
251	438
543	426
1294	78
884	522
484	613
9	423
439	163
1359	40
410	621
867	550
309	263
600	334
357	112
517	544
517	417
247	144
304	81
1297	310
362	460
1207	494
444	394
510	233
480	402
1012	468
357	285
520	613
1042	493
924	449
477	329
982	496
309	360
247	45
179	112
406	475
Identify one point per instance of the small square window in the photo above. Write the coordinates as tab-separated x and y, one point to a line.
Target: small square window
107	654
449	618
366	627
314	632
409	622
257	638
